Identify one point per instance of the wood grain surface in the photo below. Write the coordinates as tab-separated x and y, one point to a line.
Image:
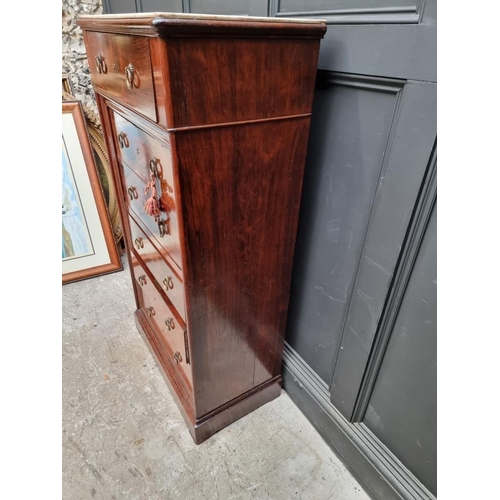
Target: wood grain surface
225	107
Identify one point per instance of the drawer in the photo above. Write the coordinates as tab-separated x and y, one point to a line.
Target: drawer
120	65
163	274
145	155
166	229
170	333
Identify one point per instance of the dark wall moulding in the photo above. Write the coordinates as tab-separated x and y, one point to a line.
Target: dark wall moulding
393	14
380	472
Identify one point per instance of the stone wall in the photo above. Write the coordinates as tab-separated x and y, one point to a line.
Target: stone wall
74	59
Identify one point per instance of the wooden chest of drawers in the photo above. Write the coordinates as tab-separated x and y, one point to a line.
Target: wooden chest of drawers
210	115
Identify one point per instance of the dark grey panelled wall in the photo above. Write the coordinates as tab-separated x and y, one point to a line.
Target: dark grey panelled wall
227	7
341	180
360	353
399	182
403	401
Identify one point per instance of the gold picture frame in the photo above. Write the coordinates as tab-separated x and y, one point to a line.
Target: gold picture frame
67	86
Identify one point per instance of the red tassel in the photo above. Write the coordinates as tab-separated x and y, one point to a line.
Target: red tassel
152	207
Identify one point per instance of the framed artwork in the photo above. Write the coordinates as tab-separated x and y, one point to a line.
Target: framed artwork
94	130
88	244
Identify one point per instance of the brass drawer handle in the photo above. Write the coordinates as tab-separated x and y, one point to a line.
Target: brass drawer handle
170	324
123	140
142	279
177	357
157	171
168	283
100	64
132	192
151	311
139	243
155	167
163	228
129	75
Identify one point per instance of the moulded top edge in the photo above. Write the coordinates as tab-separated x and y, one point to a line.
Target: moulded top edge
144	16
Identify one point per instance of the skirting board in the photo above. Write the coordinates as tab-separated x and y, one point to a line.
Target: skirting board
378	471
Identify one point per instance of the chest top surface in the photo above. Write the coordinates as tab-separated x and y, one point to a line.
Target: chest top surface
167	24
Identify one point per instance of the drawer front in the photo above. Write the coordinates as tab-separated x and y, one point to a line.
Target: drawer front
121	66
145	155
169	332
164	275
166	230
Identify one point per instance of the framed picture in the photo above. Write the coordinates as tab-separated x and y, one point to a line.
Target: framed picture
94	130
88	244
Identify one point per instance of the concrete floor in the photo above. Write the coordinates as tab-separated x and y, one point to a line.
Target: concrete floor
124	438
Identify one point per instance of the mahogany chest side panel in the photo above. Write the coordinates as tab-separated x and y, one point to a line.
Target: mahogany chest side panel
223	81
241	191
